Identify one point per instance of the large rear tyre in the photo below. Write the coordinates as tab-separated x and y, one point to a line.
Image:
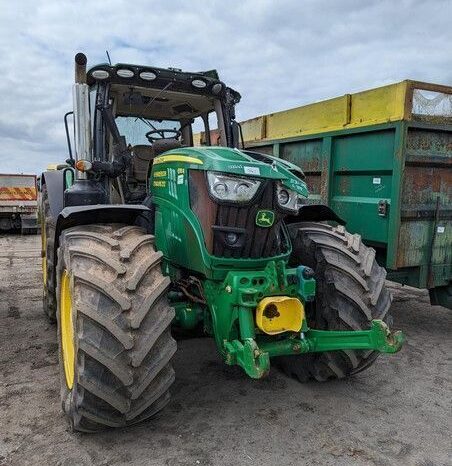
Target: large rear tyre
47	254
351	292
115	344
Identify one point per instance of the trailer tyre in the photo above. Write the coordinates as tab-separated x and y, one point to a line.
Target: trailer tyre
47	254
115	345
350	293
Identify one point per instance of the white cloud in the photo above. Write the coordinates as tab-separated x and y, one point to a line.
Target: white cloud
277	54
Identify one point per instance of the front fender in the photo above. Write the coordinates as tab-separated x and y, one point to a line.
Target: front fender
99	213
314	213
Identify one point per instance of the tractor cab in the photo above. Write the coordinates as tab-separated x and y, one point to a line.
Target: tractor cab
154	110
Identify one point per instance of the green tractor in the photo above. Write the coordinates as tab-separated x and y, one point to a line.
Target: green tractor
142	233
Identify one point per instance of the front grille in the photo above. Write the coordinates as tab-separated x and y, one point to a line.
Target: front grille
218	220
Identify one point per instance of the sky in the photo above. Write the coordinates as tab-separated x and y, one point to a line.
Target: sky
278	54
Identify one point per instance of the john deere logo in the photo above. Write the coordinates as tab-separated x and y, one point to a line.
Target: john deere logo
265	218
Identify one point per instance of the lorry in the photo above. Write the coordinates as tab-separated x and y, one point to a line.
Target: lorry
142	232
382	160
18	203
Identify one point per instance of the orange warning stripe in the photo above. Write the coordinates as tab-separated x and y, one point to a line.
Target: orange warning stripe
17	194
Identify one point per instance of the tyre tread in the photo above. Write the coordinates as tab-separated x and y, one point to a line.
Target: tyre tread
351	292
124	348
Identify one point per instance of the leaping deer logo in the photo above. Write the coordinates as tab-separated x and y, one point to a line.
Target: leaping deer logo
265	218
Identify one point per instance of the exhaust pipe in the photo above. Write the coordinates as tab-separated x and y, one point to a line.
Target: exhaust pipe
80	94
80	68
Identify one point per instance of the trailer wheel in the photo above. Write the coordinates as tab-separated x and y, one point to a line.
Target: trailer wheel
48	260
115	345
351	292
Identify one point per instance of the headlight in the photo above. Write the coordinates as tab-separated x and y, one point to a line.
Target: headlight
283	196
232	188
289	199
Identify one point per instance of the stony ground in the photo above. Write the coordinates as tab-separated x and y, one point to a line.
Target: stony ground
397	412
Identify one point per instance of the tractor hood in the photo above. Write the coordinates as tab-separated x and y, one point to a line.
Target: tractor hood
238	162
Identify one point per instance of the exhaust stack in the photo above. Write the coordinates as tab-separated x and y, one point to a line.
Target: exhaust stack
80	94
80	68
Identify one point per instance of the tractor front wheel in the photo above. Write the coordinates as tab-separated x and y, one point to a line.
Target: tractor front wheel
350	293
115	344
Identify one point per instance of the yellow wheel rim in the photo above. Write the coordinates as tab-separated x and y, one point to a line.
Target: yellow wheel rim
67	329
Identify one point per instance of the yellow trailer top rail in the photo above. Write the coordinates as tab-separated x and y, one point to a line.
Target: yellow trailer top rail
406	100
395	102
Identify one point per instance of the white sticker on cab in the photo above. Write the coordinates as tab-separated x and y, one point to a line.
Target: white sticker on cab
252	170
376	181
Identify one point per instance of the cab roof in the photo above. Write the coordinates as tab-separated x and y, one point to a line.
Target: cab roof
202	82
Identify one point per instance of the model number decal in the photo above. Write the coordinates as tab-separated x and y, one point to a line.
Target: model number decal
252	170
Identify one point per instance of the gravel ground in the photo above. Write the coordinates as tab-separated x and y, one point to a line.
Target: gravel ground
397	412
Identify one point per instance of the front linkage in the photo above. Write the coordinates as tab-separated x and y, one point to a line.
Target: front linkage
258	315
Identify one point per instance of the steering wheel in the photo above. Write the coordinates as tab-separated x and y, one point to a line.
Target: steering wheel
161	133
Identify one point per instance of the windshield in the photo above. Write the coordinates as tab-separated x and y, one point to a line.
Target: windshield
134	129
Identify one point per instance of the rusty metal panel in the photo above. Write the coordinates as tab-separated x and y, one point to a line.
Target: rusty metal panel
426	215
266	149
307	154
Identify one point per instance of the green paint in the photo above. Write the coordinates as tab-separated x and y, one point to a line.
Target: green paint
232	288
188	315
68	177
306	286
175	223
378	338
254	357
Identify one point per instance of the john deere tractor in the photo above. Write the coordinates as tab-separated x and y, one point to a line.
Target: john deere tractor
142	232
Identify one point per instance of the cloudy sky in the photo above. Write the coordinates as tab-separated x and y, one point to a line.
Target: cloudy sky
277	54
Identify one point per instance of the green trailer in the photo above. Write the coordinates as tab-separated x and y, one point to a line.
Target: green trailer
381	159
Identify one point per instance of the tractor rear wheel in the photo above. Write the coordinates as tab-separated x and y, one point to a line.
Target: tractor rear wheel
115	344
47	253
350	293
